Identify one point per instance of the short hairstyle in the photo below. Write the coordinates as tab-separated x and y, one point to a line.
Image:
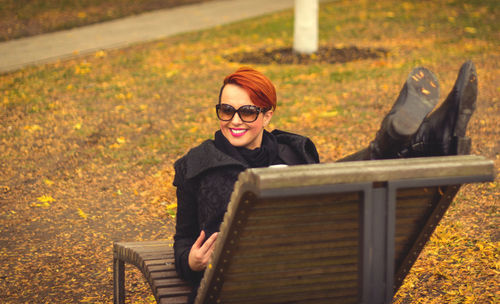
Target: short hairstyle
258	87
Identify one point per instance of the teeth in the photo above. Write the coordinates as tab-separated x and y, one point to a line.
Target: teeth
238	131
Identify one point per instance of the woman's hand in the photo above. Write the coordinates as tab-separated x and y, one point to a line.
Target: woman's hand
200	254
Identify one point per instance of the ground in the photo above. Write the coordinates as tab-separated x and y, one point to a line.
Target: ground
87	145
28	18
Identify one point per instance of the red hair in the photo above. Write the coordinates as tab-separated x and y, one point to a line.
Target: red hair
258	87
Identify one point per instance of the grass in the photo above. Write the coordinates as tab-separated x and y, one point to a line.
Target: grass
118	120
27	18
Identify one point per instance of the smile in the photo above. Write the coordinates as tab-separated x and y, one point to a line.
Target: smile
238	132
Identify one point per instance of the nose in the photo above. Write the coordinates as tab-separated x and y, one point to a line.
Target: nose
236	119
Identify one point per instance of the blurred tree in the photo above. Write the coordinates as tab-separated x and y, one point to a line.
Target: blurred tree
305	29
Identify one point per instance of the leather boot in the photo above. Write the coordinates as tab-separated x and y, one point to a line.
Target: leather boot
417	98
439	133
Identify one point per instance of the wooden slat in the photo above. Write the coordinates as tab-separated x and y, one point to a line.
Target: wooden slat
289	294
164	267
245	251
308	217
282	229
305	208
291	239
171	292
369	171
264	283
334	296
169	282
292	272
416	192
299	264
160	262
299	201
293	253
174	300
163	275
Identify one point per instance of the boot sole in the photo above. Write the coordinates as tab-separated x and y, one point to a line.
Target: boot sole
422	95
466	90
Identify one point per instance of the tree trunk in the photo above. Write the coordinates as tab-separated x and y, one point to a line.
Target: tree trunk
305	30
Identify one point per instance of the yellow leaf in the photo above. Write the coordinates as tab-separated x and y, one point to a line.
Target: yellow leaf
32	128
470	30
121	140
172	206
328	114
407	6
100	54
82	214
45	199
171	73
77	126
45	204
48	182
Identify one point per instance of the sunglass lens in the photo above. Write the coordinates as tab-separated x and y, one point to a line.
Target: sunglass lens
248	113
226	112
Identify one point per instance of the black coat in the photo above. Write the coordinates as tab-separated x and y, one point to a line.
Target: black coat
205	179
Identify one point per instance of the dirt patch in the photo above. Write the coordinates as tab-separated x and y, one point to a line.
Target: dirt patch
325	54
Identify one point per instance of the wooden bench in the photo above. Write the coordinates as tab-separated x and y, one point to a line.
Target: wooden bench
327	233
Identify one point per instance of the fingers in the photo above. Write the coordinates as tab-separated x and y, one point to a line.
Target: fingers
199	256
209	244
199	240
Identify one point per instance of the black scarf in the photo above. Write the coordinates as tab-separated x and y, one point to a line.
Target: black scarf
264	156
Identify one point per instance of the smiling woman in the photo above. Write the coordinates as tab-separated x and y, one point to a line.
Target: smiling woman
206	175
239	96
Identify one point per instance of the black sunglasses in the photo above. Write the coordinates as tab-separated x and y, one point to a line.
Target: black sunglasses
247	113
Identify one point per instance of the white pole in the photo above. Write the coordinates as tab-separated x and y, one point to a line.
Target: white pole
305	29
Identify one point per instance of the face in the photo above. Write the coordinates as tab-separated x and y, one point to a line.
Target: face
237	132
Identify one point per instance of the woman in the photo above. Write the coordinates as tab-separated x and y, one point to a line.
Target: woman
205	176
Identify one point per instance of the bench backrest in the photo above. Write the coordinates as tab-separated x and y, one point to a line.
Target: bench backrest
340	232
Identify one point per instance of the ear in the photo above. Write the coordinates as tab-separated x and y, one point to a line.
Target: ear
267	117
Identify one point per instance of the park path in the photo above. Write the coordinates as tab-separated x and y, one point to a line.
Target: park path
16	54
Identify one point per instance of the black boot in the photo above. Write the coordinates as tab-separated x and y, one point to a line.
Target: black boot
417	98
439	133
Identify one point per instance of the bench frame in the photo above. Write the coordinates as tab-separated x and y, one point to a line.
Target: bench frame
380	276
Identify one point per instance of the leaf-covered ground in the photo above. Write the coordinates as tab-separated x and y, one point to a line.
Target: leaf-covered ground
27	18
87	145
